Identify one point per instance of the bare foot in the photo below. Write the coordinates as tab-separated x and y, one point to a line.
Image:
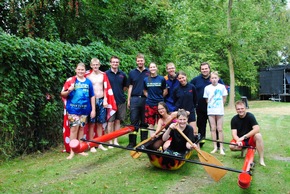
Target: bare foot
70	156
83	154
93	150
102	148
222	151
110	147
262	163
214	151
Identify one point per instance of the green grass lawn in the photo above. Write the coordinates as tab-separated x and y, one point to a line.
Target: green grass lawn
114	171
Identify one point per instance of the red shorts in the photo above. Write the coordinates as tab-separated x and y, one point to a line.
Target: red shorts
151	114
247	142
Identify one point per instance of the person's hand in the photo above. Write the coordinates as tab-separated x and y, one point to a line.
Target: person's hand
173	126
153	135
128	104
71	88
93	114
105	103
240	143
194	146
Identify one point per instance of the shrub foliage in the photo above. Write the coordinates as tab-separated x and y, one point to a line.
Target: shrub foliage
32	74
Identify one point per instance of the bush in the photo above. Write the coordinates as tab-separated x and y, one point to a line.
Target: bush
33	72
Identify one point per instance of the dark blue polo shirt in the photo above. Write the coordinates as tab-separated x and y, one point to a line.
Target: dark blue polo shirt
185	97
136	79
171	85
200	82
118	81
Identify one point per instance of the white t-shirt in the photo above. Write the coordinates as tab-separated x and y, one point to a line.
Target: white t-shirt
214	94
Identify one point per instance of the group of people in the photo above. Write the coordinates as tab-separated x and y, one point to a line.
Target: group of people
154	99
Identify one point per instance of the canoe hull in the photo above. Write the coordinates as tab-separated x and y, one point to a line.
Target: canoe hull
167	163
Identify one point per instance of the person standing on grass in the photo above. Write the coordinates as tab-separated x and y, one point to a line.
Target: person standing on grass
246	131
97	78
184	97
136	99
80	104
154	89
216	96
200	82
118	81
172	82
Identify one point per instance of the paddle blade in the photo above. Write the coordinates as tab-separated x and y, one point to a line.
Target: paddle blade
215	173
135	154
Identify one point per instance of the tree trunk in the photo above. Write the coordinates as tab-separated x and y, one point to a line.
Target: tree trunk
230	58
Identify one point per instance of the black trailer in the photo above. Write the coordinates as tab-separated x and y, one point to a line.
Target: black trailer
275	83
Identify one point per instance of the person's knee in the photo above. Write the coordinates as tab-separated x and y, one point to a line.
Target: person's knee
258	137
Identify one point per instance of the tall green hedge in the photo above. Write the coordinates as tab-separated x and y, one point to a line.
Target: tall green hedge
32	73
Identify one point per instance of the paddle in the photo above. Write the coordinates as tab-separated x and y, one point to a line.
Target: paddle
143	150
190	161
203	156
136	154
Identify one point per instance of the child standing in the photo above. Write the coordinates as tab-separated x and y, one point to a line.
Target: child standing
80	103
216	95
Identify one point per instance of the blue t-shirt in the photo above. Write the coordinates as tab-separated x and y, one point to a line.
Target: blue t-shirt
136	79
154	87
118	82
79	100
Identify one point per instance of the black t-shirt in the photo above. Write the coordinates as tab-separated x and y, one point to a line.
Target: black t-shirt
243	125
178	143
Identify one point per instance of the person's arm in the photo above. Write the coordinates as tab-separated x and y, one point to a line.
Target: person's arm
224	99
105	102
166	135
254	131
65	93
235	135
158	129
145	93
194	96
129	95
93	104
165	92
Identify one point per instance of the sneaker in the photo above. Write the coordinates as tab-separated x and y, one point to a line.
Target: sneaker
93	150
102	148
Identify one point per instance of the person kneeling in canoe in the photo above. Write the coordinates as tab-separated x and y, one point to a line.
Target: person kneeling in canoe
178	145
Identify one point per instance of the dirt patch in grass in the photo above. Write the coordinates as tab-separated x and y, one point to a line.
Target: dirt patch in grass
280	158
189	184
